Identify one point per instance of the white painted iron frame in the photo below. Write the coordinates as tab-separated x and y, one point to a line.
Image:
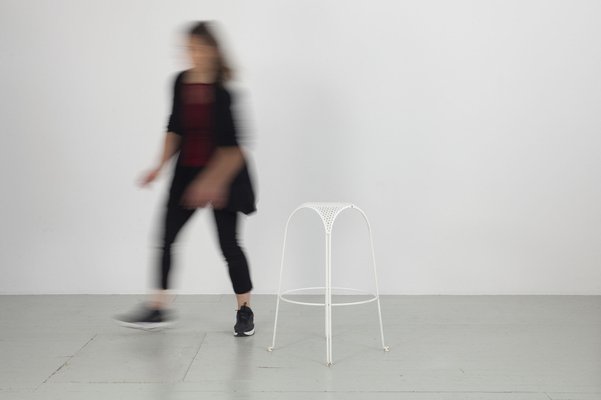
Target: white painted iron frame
332	210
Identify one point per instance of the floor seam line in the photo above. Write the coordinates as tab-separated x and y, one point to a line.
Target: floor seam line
65	363
194	358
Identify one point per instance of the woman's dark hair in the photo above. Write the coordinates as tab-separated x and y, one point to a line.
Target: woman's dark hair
204	30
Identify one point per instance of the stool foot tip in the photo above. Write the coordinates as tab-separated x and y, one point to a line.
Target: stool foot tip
386	348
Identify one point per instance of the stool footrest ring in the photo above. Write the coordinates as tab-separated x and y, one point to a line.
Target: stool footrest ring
373	297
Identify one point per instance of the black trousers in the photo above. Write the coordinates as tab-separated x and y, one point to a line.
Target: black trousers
176	216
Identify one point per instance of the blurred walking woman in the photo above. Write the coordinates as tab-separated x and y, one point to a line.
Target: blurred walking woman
210	171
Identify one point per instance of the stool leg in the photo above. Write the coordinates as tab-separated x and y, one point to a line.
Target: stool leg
328	299
275	324
373	260
277	306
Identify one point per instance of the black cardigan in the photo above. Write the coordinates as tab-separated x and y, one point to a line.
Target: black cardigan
241	191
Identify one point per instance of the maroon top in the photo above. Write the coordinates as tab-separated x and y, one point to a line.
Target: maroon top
197	146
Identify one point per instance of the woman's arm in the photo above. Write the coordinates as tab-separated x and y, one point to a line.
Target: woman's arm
224	165
171	146
212	184
173	138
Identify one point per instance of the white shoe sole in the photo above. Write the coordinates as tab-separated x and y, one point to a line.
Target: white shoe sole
146	326
249	333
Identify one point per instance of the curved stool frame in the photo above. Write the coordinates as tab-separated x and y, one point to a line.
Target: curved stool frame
328	213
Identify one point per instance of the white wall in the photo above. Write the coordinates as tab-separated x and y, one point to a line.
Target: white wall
469	132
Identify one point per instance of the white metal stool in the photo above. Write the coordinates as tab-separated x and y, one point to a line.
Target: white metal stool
328	213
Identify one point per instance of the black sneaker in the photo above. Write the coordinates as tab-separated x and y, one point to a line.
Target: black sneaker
245	325
147	318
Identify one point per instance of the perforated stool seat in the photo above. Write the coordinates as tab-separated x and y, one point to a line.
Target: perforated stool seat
328	212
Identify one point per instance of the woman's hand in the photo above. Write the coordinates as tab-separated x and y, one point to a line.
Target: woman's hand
202	192
149	176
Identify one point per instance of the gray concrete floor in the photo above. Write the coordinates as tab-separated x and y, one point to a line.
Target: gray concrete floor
441	347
